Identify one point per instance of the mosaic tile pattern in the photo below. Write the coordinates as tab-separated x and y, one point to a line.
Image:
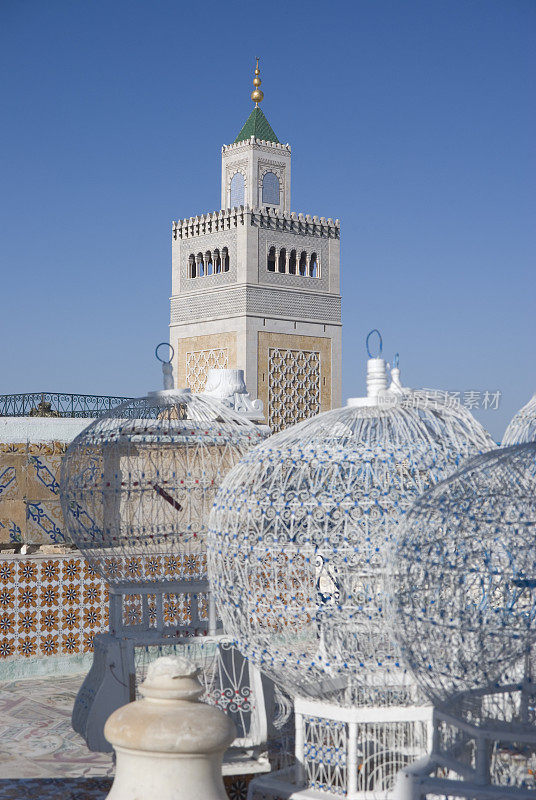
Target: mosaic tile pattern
42	758
55	789
55	605
36	737
236	786
30	508
89	788
50	606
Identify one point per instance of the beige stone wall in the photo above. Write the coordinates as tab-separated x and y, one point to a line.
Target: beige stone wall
294	377
197	354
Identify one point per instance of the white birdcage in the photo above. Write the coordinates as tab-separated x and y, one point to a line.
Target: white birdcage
297	549
137	486
522	426
463	611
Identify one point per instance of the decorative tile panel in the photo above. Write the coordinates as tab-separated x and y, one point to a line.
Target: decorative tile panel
8	482
44	522
29	493
50	606
54	605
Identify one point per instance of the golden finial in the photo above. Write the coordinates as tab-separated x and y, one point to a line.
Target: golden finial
257	94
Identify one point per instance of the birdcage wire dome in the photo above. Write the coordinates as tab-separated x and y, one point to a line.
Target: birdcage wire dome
137	486
298	539
463	578
522	426
138	483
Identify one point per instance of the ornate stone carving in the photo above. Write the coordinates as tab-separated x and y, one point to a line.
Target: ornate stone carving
293	386
199	362
269	163
229	387
265	301
232	169
224	383
169	737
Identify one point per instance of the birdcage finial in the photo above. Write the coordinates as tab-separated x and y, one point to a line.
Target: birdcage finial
167	369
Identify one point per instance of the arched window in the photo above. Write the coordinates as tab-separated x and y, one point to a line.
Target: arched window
313	266
225	259
237	190
191	266
270	189
303	263
292	262
271	259
208	262
200	265
217	262
282	260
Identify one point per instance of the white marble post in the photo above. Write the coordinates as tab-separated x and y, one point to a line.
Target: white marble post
169	746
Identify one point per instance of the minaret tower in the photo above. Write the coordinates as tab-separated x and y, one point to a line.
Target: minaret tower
255	286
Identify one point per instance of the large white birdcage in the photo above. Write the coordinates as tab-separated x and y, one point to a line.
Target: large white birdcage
137	486
463	611
138	483
522	426
297	549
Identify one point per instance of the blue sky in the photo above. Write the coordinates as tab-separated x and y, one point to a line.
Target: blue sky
412	121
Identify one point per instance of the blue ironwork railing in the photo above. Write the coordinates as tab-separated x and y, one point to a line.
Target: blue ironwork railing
56	404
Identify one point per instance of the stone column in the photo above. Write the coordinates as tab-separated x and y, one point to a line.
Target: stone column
169	746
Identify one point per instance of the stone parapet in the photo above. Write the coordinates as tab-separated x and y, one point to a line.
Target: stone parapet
237	146
296	223
262	218
223	220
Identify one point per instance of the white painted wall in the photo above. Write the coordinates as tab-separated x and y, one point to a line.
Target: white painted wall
41	429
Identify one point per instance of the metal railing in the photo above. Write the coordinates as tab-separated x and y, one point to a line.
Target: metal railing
56	404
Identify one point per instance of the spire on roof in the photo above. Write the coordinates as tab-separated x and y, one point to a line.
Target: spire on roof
257	94
256	124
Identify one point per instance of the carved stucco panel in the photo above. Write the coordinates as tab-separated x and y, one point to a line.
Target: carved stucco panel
197	354
294	377
256	300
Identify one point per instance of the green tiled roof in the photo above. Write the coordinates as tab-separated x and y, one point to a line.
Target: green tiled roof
258	126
